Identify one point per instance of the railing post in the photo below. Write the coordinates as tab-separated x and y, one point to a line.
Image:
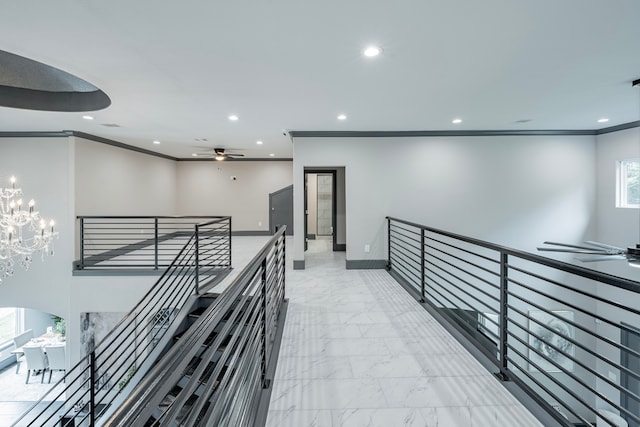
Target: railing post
265	382
81	243
504	314
423	278
388	244
197	272
229	243
284	264
93	384
156	243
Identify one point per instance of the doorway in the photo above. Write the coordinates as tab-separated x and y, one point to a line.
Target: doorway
323	198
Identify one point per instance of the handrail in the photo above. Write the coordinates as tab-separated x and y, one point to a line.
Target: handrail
95	383
135	242
609	279
256	293
561	332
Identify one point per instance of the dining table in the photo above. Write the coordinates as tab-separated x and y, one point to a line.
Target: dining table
44	340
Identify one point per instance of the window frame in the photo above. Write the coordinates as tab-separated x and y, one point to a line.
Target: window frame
622	183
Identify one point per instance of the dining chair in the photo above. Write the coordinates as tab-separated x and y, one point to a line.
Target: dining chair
36	361
57	359
19	341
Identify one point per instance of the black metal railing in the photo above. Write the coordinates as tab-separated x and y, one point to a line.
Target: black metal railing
567	335
144	242
231	342
96	383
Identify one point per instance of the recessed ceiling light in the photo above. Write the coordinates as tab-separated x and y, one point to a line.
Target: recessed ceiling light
156	142
372	51
342	117
271	155
603	120
456	121
233	117
259	142
87	117
195	154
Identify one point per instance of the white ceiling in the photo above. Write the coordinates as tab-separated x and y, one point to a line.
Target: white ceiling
175	70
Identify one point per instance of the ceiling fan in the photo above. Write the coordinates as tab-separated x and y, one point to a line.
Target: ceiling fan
599	252
219	154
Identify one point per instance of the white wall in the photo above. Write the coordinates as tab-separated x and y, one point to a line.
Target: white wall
616	226
207	188
114	181
515	191
44	170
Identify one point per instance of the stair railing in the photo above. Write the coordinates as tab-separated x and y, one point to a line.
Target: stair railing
555	329
245	320
96	383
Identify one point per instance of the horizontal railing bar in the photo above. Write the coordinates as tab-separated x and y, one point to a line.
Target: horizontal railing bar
546	390
576	325
397	227
152	217
485	281
404	261
478	266
409	269
566	388
404	237
576	290
615	281
565	354
567	304
462	290
475	254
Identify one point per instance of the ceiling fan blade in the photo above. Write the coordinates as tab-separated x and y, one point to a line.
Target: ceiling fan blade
601	258
234	155
586	251
605	246
566	245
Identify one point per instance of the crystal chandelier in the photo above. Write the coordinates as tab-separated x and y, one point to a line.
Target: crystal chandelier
22	231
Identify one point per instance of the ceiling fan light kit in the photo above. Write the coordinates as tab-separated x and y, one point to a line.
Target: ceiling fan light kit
218	154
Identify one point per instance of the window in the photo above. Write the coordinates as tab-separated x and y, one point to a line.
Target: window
628	190
8	323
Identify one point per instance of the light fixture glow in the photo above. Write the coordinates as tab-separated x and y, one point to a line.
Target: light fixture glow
259	142
372	51
219	157
456	121
603	120
342	117
233	118
87	117
195	155
271	155
156	142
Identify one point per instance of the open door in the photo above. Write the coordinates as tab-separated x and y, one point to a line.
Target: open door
281	209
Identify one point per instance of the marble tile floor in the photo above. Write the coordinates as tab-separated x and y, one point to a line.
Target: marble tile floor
357	350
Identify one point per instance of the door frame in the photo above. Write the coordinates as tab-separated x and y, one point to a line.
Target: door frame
334	199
